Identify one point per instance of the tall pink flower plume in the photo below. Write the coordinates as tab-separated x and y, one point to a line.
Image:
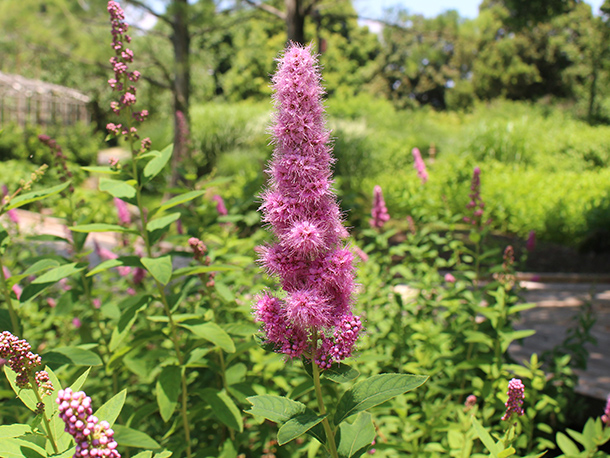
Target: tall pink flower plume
122	212
220	205
476	204
420	166
516	395
379	212
531	241
606	415
315	269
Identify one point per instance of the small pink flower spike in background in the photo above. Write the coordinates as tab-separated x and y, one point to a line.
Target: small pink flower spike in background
315	269
420	166
606	415
380	211
531	241
516	395
220	205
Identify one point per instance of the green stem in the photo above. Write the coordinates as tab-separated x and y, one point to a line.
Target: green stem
330	437
224	384
9	301
46	421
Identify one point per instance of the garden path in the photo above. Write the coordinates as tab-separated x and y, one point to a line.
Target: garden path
559	299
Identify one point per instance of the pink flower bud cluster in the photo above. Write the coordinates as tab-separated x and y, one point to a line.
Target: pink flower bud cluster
93	438
199	253
606	415
19	357
380	211
516	395
471	401
420	166
123	78
315	270
60	158
476	204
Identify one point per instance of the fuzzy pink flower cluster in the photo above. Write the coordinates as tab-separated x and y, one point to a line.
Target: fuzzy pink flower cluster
123	78
420	166
379	211
93	438
19	357
314	317
516	395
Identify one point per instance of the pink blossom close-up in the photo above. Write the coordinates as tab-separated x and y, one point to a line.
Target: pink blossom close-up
314	316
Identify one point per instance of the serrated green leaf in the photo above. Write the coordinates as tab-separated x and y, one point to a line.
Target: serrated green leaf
159	268
354	439
275	408
168	389
374	391
223	408
72	355
157	163
297	426
112	408
118	188
210	332
34	196
127	437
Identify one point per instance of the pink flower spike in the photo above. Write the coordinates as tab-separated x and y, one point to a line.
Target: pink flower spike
606	415
379	212
122	212
516	395
313	267
220	205
420	166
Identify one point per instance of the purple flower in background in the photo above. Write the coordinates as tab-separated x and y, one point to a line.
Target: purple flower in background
606	415
516	395
16	288
420	166
531	241
379	212
76	322
93	438
220	205
316	271
476	204
122	212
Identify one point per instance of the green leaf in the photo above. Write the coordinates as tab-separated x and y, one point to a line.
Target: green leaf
210	332
112	408
130	261
100	227
37	267
510	451
160	223
275	408
224	291
7	431
145	454
196	270
131	307
20	448
374	391
354	439
566	445
486	438
156	164
79	382
101	169
26	395
163	454
118	188
298	425
341	373
72	355
58	273
127	437
179	199
223	408
168	390
159	268
34	196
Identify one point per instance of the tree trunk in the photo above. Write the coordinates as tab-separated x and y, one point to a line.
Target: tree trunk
295	21
182	81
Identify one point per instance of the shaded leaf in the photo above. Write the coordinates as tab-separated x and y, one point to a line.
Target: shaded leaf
275	408
159	268
168	389
354	439
72	355
298	425
58	273
128	437
210	332
224	408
